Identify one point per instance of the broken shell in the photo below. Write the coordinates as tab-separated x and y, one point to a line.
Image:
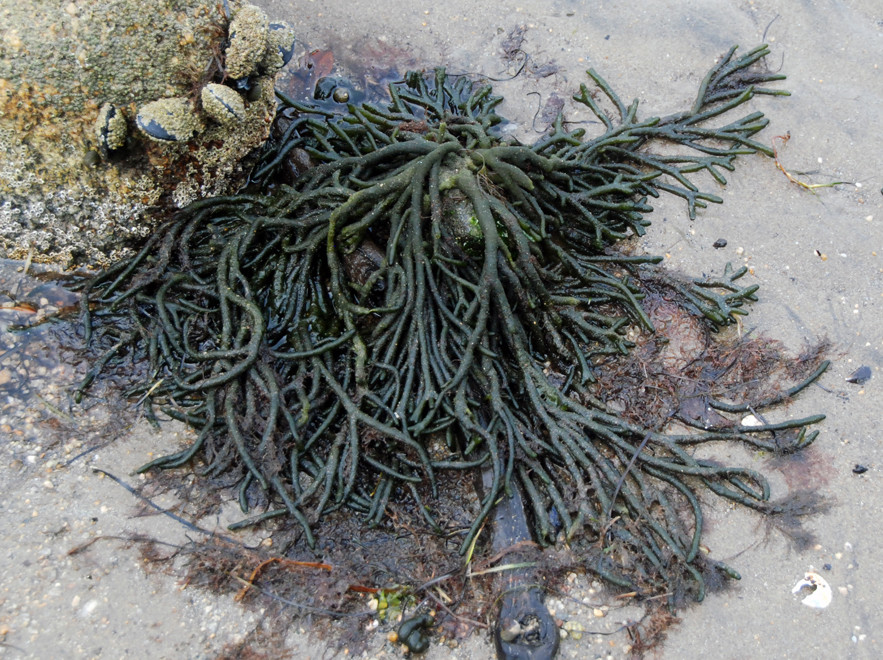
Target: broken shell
110	127
248	41
168	120
280	46
860	376
820	596
222	103
751	420
510	630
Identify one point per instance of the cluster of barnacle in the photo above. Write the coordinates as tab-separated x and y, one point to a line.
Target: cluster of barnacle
254	47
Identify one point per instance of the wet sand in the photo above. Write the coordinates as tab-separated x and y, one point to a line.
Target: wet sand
817	256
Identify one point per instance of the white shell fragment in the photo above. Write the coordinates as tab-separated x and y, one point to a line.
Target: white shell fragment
821	594
751	420
168	120
248	42
110	127
222	103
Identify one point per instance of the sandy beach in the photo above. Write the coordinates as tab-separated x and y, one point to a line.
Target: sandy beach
817	255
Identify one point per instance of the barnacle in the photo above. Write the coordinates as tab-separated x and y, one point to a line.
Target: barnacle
432	296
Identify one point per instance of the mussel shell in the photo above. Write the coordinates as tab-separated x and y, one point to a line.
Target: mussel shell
110	127
248	42
168	120
222	103
281	43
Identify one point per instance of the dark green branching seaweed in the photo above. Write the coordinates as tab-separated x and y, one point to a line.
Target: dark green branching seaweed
403	307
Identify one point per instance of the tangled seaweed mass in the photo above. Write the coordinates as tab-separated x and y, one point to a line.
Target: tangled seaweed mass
427	295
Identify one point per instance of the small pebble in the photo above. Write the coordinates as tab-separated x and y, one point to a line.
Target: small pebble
89	608
719	243
859	469
573	628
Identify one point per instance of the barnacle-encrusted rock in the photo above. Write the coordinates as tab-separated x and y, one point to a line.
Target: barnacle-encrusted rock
222	103
248	41
110	127
69	193
168	120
